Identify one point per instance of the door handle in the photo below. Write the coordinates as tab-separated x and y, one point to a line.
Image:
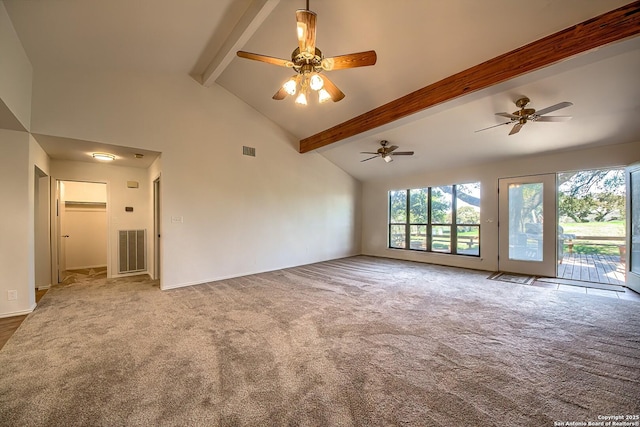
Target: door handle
66	235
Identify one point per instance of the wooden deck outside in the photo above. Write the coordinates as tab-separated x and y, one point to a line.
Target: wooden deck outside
592	268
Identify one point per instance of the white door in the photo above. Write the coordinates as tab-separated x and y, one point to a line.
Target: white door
527	225
633	228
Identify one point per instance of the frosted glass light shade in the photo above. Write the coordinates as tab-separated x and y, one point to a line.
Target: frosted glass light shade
301	99
290	86
323	96
316	82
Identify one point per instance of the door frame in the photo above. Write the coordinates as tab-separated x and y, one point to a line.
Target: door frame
547	267
56	232
157	264
632	279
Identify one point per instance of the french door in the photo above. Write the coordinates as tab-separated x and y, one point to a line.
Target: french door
527	225
633	228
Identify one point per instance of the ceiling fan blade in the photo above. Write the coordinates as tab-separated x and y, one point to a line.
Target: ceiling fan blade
508	115
336	94
552	118
264	58
306	31
516	128
402	153
283	92
392	148
280	95
368	152
352	60
368	159
553	108
491	127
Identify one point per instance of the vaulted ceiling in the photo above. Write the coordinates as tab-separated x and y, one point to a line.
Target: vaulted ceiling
418	43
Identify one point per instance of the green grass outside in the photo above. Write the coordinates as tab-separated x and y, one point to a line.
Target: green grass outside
609	228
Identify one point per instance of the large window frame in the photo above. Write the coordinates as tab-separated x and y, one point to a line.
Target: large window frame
419	228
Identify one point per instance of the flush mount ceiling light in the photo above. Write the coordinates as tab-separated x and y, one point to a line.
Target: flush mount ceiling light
308	62
105	157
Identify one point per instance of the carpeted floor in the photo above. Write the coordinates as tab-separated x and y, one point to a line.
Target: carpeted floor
355	342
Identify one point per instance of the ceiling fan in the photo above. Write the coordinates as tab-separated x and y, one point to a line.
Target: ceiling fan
308	62
523	115
386	152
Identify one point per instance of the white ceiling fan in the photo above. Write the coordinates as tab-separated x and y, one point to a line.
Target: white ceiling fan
523	115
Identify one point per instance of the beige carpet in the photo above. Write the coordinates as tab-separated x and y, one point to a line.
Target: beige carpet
354	342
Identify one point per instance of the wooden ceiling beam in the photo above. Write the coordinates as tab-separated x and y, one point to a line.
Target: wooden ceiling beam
607	28
248	24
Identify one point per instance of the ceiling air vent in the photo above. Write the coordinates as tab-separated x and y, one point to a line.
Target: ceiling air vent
249	151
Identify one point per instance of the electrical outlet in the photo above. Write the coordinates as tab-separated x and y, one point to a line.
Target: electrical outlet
12	295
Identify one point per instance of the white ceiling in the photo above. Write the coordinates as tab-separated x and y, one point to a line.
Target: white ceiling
418	42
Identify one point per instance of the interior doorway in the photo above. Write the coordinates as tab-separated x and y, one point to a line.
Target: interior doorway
81	225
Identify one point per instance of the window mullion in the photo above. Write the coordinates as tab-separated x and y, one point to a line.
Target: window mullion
454	220
429	246
407	219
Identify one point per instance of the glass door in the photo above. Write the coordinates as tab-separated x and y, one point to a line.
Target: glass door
632	247
527	225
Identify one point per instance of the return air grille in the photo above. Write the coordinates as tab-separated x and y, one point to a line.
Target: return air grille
248	151
132	251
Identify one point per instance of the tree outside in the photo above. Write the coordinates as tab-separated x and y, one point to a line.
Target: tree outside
591	203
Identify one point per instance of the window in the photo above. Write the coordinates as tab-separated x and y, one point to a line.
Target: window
442	219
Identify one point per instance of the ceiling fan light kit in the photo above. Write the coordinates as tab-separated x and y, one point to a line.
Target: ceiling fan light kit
308	62
524	115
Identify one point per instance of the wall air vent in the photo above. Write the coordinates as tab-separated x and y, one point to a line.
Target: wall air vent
132	251
249	151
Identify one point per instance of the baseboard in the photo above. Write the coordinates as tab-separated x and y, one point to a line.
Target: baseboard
43	287
18	313
250	273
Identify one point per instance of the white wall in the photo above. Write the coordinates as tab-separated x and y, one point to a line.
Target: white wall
15	71
223	214
118	197
87	192
14	227
19	155
375	198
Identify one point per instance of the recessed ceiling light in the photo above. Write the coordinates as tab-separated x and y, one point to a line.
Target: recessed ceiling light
105	157
138	155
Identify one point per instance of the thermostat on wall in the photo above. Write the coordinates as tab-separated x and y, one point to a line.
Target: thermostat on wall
132	184
128	208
